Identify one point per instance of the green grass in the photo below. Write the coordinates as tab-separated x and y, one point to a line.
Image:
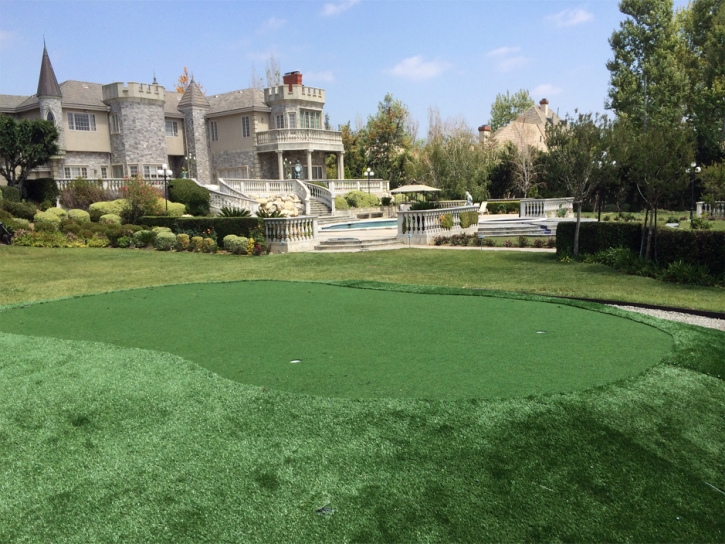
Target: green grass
360	342
39	274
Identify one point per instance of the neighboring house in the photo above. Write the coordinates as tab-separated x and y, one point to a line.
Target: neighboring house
529	128
125	129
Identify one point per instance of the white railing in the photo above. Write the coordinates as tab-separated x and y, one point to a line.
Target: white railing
265	188
111	184
546	207
717	209
225	193
428	222
452	203
285	230
323	195
339	187
286	135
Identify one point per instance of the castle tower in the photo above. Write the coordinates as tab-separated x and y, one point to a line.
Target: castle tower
194	106
49	97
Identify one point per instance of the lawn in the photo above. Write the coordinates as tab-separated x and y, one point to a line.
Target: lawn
102	440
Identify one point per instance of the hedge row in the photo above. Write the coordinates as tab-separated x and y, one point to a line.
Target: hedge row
697	247
223	226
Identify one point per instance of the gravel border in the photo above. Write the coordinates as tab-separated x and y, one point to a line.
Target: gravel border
708	322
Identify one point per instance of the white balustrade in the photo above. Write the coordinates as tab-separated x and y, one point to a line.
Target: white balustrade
451	203
339	187
716	209
323	195
546	207
286	230
287	135
114	185
423	225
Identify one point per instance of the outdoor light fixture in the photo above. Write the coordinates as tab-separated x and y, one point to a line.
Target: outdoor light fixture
190	158
692	170
164	171
368	173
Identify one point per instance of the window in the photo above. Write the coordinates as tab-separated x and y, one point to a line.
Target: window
317	172
280	121
172	129
82	121
309	119
245	127
117	170
72	172
50	117
115	123
150	171
133	170
241	172
104	172
292	120
213	131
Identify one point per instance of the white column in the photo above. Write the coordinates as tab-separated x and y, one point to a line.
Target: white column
341	165
280	164
309	165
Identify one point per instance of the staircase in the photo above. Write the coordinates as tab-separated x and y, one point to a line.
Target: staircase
516	228
355	244
318	208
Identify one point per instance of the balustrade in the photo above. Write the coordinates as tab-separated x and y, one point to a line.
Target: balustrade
546	207
716	209
287	135
428	222
286	230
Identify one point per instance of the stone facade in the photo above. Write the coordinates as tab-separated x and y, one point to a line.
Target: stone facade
93	161
235	159
269	168
197	143
140	141
53	104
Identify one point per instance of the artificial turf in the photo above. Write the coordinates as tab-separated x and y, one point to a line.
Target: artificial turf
357	343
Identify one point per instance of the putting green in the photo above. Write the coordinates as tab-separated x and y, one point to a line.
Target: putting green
360	342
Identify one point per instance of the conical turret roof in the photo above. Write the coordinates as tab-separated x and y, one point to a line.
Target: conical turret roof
47	83
193	97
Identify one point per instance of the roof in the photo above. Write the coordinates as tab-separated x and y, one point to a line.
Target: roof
529	127
171	104
47	83
193	97
237	100
8	102
76	94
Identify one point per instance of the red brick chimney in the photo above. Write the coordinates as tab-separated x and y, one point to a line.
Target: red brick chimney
484	133
292	78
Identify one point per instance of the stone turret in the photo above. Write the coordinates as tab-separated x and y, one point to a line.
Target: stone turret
194	105
50	96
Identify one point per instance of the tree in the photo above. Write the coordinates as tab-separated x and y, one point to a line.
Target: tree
713	178
525	160
273	71
25	145
354	153
183	82
506	108
576	148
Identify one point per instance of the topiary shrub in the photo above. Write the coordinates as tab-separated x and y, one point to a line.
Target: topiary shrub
182	242
468	219
10	193
341	203
165	241
447	221
97	209
23	210
110	219
236	244
361	199
175	209
208	245
188	192
45	217
124	242
195	244
143	238
45	226
161	229
386	201
80	216
60	212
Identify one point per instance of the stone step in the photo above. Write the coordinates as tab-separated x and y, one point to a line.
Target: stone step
517	229
354	243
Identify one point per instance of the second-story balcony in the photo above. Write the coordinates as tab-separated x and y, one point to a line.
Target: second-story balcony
291	139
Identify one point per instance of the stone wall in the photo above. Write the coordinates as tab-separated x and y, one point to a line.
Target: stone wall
234	159
50	103
93	161
143	138
198	143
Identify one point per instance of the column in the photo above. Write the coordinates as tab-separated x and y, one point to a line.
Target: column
280	164
341	165
309	165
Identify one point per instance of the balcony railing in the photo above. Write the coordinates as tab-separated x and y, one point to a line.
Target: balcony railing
299	135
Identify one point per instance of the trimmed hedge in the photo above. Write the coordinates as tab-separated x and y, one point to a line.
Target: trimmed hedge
189	193
696	247
223	226
41	190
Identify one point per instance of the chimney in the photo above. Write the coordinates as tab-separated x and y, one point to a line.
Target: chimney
292	78
544	105
484	133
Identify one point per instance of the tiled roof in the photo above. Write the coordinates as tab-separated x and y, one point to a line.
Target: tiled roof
75	94
193	97
8	102
171	104
47	83
237	100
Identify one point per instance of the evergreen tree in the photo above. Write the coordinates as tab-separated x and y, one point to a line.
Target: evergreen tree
507	107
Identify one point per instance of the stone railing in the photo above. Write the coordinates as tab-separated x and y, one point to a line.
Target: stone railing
338	187
422	226
294	135
225	193
546	207
291	234
717	209
111	184
452	203
323	195
264	188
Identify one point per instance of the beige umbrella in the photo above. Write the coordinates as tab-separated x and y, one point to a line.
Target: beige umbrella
418	188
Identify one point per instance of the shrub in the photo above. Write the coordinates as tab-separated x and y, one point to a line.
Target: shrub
236	244
489	242
234	212
45	217
425	205
607	218
188	192
161	229
361	199
673	219
97	209
141	199
98	240
41	189
208	245
46	239
23	210
16	224
124	242
250	246
523	241
551	242
698	223
45	226
468	219
110	219
538	243
59	212
341	203
81	193
182	242
441	240
682	272
81	216
175	209
143	238
508	243
446	221
508	206
386	201
195	244
10	193
165	241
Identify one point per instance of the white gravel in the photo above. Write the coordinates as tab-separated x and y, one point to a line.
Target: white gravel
677	316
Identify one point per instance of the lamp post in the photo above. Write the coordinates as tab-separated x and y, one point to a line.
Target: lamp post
368	173
190	158
603	163
692	170
164	171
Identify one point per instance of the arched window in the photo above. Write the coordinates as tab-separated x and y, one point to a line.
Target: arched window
50	116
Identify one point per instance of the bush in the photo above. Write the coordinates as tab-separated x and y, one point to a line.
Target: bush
59	212
508	243
508	206
45	226
682	272
361	199
551	242
98	240
672	219
234	212
386	201
175	209
222	226
538	243
468	219
489	242
141	199
45	217
195	244
47	239
341	203
97	209
236	244
161	229
10	193
16	224
523	241
81	193
165	241
124	242
182	242
41	189
80	216
189	193
698	223
23	210
110	219
208	245
447	221
425	205
144	238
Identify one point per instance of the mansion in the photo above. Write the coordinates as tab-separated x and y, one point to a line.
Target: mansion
126	129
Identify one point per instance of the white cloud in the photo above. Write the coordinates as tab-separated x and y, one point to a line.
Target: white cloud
503	52
417	69
511	63
271	24
335	8
571	17
545	90
507	59
322	77
6	37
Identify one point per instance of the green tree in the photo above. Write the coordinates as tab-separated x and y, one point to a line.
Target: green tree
354	152
713	178
646	78
25	145
507	107
576	149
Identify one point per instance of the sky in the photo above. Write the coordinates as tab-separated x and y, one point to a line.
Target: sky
455	55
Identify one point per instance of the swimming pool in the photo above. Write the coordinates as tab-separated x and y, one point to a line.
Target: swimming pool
363	225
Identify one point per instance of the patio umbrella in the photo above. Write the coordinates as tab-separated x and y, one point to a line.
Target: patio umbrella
418	188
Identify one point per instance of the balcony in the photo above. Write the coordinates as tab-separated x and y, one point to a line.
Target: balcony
293	139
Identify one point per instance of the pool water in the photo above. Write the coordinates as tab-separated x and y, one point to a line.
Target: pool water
380	224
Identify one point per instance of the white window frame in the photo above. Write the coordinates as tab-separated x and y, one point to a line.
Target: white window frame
73	121
310	119
150	171
73	171
213	131
117	170
280	120
104	172
133	170
246	132
174	126
114	123
292	116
